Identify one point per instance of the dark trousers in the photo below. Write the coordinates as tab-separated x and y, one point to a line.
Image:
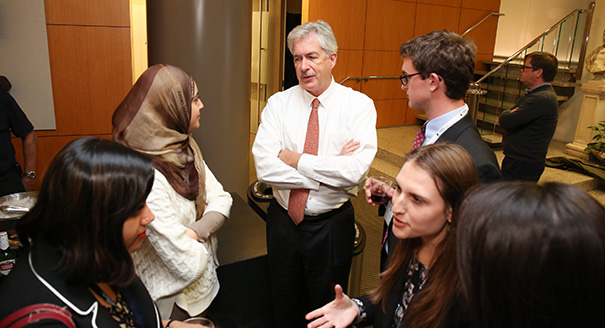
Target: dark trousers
10	181
306	261
517	170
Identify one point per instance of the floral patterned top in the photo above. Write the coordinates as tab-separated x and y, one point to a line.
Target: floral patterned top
416	277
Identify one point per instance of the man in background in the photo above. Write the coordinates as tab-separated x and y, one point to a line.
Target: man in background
12	119
531	123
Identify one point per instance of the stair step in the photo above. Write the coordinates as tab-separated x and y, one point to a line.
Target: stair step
493	139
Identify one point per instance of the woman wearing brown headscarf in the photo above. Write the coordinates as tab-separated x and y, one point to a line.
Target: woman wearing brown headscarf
177	261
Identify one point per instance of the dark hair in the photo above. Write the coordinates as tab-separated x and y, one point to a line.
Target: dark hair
547	62
5	83
532	256
454	172
91	187
446	54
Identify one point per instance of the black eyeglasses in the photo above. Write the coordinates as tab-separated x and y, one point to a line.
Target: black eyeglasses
523	67
405	78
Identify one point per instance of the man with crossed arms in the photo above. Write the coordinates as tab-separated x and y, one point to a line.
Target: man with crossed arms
314	147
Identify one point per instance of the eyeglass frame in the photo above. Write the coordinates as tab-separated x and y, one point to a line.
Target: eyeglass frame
406	78
523	67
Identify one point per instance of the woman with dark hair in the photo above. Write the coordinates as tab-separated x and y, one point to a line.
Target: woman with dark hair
177	263
420	287
90	215
532	256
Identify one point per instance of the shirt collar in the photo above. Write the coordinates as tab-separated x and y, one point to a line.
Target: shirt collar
325	99
528	90
433	126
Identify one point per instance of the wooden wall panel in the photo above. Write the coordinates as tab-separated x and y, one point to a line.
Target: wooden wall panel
490	5
90	79
348	63
430	18
390	112
88	12
448	3
346	17
48	147
389	24
480	59
382	63
483	35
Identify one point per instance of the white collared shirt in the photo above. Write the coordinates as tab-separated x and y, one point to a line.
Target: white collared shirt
437	126
343	114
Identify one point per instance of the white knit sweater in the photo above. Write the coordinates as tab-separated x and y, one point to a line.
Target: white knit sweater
174	267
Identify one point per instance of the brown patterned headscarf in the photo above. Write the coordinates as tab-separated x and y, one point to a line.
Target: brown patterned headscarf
154	119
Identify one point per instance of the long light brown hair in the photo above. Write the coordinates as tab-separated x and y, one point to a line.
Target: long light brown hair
454	172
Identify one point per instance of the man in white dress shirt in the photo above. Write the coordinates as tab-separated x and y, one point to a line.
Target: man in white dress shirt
314	154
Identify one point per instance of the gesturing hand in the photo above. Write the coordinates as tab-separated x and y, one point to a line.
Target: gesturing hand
339	313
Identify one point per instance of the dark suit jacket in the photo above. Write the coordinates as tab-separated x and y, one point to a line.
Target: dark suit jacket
465	134
531	127
22	288
457	316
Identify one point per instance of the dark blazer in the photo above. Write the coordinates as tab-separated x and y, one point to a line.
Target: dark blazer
465	134
457	316
22	288
531	127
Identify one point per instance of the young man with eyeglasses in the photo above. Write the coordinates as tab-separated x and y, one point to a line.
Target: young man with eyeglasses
437	71
531	123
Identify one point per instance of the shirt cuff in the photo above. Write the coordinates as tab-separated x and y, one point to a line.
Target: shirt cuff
305	165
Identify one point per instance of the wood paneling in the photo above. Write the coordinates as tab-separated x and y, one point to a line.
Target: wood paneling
480	59
48	147
346	17
348	63
88	12
91	73
448	3
391	112
430	18
491	5
382	63
484	35
389	24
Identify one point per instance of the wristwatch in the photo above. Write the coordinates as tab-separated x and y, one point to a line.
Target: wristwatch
30	174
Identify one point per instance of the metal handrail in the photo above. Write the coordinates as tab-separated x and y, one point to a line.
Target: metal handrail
482	20
532	42
370	77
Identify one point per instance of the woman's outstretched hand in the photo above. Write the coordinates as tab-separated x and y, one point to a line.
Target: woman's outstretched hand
339	313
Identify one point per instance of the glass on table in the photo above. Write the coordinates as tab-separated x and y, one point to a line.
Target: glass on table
379	189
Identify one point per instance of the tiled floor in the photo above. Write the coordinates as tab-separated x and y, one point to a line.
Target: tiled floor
393	143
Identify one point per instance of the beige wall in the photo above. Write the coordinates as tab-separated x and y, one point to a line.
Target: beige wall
524	20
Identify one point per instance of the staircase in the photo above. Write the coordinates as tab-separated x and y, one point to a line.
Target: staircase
498	87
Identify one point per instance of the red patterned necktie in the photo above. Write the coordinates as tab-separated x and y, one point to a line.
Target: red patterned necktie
419	137
298	197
